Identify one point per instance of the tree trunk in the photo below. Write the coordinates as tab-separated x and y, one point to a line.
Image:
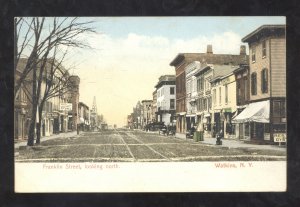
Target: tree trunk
31	133
39	125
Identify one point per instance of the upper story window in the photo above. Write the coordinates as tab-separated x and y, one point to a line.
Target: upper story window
264	81
201	83
253	84
209	102
245	88
264	49
172	103
172	90
253	51
239	90
198	84
214	96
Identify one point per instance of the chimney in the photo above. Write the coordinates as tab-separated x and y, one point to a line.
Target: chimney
243	50
209	49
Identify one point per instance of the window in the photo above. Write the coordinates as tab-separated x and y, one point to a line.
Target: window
202	83
264	81
238	85
215	96
172	91
220	96
172	103
253	54
245	88
226	94
209	102
253	84
264	49
198	84
279	111
204	104
207	83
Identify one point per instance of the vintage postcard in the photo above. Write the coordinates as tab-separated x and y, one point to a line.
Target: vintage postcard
150	104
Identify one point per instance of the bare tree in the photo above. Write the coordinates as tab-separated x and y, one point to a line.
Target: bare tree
41	45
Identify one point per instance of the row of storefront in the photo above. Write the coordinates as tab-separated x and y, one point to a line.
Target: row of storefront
243	96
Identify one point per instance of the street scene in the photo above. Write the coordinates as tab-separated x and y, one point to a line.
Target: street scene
150	89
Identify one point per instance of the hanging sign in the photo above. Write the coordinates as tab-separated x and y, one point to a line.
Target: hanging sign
65	106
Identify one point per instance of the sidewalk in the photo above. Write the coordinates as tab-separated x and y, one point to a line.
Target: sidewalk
54	136
232	143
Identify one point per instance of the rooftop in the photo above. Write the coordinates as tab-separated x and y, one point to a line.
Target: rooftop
265	30
210	58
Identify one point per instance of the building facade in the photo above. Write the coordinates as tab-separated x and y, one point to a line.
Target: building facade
224	103
166	99
191	94
54	119
267	68
242	78
180	62
146	111
154	107
84	116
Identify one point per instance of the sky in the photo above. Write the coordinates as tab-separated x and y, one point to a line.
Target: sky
130	53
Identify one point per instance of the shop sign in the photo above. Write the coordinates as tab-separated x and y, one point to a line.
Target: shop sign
280	137
52	115
65	106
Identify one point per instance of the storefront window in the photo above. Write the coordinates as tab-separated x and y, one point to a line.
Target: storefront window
267	128
279	128
279	111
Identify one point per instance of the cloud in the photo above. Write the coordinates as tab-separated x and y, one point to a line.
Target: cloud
125	69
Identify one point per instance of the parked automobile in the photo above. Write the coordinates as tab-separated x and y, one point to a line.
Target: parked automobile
155	126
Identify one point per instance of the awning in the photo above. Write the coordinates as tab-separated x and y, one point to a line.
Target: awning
255	112
206	114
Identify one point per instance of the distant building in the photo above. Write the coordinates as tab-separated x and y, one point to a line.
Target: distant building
137	116
146	111
94	115
166	95
154	107
264	118
84	116
74	98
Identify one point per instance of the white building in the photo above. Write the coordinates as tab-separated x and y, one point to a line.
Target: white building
224	103
166	96
191	93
